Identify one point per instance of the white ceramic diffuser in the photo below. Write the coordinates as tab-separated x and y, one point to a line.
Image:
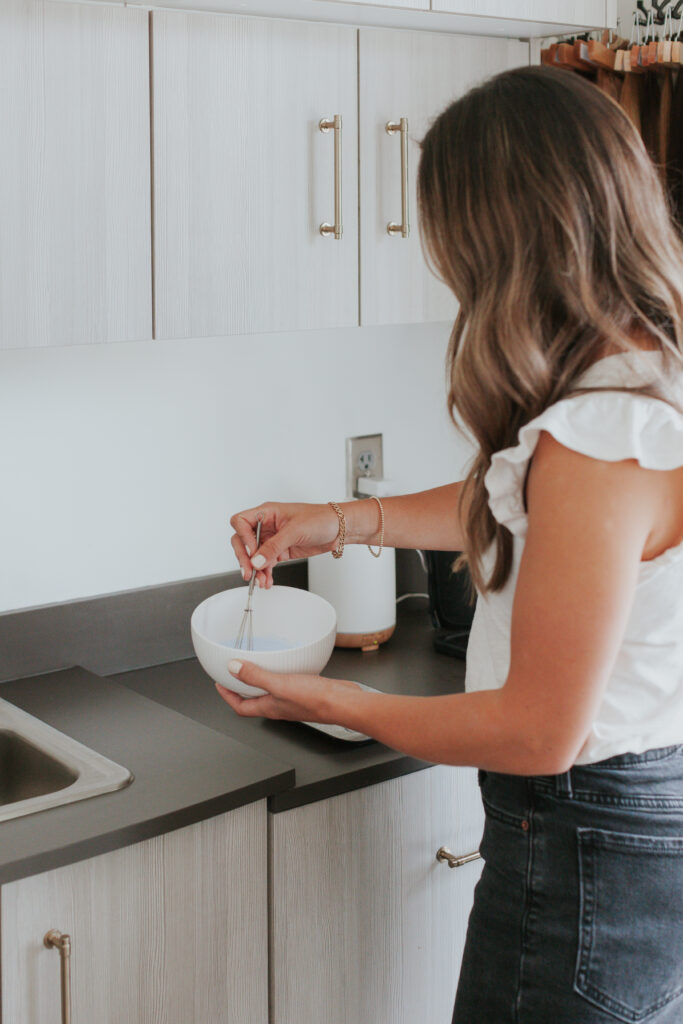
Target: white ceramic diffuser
362	590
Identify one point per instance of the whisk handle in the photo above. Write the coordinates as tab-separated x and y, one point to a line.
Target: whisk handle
252	581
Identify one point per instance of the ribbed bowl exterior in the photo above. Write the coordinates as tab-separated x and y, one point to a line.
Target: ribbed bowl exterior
311	658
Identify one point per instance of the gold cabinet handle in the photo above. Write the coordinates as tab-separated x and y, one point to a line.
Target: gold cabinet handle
444	855
402	229
56	940
335	124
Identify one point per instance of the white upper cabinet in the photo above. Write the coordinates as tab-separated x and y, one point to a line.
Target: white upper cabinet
244	177
511	18
563	12
411	75
75	237
411	5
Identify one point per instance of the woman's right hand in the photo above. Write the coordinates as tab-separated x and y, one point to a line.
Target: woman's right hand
287	531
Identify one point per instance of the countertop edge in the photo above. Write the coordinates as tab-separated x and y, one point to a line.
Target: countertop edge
385	771
184	773
138	832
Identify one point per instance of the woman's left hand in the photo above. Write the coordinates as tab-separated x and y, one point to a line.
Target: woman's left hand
293	697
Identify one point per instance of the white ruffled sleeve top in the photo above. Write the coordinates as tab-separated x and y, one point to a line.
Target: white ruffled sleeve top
642	706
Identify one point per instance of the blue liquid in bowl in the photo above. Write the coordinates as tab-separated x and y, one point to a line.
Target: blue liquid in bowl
269	643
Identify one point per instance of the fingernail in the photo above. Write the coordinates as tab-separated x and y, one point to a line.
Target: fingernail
234	667
247	549
244	574
258	561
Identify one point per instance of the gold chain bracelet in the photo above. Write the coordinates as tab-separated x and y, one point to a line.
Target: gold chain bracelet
342	529
376	554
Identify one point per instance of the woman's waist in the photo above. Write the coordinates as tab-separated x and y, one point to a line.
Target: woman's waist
651	779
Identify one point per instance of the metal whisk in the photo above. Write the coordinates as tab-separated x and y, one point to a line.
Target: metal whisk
246	630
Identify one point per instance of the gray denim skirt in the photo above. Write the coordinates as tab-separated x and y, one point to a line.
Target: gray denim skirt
578	914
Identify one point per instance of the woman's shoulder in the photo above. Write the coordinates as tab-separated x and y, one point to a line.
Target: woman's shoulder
608	425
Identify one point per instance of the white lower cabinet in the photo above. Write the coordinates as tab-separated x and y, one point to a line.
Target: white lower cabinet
172	930
366	925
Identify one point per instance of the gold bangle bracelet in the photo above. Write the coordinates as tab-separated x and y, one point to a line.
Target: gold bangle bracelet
342	529
376	554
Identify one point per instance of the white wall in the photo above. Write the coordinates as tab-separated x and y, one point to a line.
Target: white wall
121	464
625	10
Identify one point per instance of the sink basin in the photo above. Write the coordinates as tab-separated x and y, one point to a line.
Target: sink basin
26	771
40	767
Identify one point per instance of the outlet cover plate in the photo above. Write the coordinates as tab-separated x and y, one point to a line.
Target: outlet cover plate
364	457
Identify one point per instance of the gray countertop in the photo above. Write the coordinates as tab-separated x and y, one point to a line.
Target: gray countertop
193	757
183	772
324	766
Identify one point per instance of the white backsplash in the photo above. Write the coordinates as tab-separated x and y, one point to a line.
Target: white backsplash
121	464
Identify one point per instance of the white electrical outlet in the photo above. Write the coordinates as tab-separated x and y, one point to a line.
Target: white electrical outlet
363	458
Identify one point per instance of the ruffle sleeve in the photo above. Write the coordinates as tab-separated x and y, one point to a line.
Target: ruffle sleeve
606	425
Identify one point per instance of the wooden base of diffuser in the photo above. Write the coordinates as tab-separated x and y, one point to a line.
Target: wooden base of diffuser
366	641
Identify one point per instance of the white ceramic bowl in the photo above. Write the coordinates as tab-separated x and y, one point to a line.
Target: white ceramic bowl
284	615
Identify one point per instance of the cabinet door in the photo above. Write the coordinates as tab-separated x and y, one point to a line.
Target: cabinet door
366	924
75	235
169	931
244	177
413	75
563	12
421	5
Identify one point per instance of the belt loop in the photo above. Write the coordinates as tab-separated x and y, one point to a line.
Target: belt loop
563	784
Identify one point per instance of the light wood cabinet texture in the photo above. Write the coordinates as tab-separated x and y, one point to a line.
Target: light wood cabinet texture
244	177
563	12
412	5
75	235
366	925
511	18
413	75
539	12
172	930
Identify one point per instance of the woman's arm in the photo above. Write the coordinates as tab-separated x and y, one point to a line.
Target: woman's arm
427	520
590	523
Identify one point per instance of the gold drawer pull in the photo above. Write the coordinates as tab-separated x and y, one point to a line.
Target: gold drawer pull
444	855
56	940
326	125
402	229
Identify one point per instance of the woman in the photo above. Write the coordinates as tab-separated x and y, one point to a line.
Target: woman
542	212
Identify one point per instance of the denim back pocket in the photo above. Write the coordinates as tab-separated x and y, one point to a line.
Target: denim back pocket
630	956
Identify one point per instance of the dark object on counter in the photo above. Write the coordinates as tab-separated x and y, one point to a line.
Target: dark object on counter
450	606
454	644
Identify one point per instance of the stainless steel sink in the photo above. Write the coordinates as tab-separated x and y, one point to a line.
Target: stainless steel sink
40	767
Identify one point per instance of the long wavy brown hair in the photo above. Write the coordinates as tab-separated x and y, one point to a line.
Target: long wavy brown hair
541	210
